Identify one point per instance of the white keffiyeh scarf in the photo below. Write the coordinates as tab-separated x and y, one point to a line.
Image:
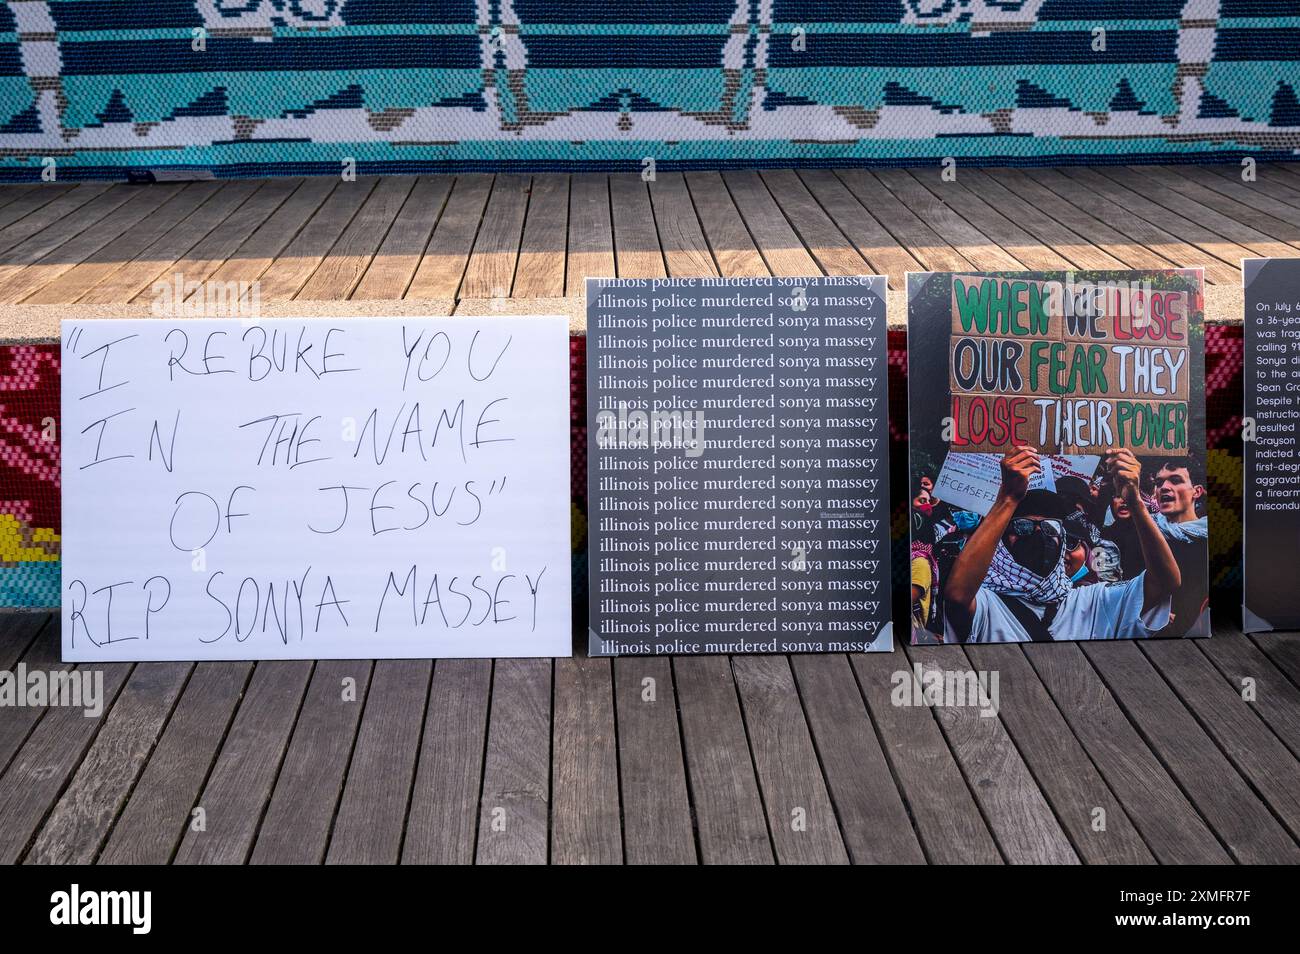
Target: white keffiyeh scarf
1010	578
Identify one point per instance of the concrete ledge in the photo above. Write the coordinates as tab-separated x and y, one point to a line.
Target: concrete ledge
33	324
1224	304
575	309
30	324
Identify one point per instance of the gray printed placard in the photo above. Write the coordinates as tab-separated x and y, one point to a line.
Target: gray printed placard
737	477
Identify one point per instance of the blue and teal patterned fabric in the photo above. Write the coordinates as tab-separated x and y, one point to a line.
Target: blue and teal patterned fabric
241	87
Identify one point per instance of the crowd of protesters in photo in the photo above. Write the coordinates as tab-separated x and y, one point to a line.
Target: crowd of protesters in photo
1123	555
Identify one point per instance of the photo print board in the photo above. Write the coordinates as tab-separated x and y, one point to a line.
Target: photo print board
1057	456
1270	511
315	489
737	477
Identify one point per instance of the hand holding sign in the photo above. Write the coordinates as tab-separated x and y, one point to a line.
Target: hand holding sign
1125	473
1018	468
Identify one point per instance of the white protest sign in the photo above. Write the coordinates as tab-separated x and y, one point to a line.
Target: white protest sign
320	489
971	481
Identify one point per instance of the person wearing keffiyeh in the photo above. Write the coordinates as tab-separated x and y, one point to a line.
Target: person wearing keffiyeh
1010	583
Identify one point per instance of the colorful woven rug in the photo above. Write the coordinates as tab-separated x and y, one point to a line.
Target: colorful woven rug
104	88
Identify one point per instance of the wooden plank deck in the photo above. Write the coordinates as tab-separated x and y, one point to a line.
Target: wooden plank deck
1099	754
1107	754
464	243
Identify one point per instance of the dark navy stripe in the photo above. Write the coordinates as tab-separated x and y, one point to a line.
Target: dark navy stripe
625	52
837	11
124	14
244	142
242	55
367	12
7	24
1260	46
1258	8
959	49
11	60
1095	10
622	11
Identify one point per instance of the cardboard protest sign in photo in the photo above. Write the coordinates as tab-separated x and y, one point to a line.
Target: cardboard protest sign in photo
315	489
1057	468
1270	506
737	476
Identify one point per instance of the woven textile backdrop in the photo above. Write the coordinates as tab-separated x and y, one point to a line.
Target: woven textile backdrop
243	87
29	468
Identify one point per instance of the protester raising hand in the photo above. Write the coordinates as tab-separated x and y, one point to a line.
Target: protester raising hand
1125	473
968	571
1162	576
1018	467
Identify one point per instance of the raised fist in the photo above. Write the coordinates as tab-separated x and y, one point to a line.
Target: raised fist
1124	470
1018	466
